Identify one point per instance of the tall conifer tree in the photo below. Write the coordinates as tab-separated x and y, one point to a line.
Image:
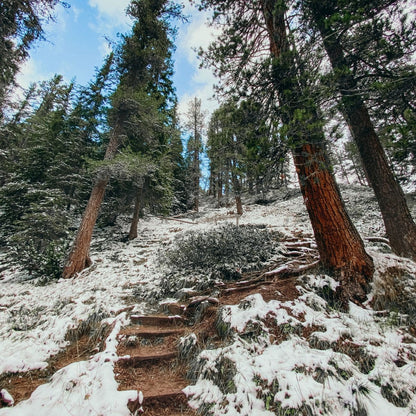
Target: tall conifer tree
143	63
195	122
237	53
334	20
21	25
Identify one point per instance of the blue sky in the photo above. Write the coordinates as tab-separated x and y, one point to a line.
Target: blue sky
76	45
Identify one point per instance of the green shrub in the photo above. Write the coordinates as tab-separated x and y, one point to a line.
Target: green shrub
222	249
197	259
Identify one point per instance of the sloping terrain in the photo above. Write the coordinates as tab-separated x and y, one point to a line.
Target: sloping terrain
263	337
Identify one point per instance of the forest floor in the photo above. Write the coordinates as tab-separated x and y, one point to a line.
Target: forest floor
131	336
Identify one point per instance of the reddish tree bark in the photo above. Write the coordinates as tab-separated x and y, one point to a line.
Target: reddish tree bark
340	247
79	257
400	226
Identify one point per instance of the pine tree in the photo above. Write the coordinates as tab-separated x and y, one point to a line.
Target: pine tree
332	20
238	52
40	161
226	149
144	65
195	122
21	25
181	186
244	146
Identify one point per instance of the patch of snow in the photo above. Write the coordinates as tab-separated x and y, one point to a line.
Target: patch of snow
81	388
293	374
35	319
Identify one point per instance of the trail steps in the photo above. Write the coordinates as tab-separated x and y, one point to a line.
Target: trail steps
148	348
148	364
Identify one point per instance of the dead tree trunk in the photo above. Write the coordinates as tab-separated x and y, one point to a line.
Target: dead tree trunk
400	226
136	214
340	247
237	189
79	257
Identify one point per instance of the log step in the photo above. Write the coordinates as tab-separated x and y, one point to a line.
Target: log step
136	360
156	332
175	400
161	320
248	287
297	244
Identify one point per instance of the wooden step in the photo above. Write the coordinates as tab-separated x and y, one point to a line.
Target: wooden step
137	360
174	400
148	332
296	244
161	378
157	320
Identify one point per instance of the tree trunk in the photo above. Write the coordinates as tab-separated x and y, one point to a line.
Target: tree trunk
400	227
237	190
196	200
136	215
79	257
219	189
196	176
238	205
212	182
340	247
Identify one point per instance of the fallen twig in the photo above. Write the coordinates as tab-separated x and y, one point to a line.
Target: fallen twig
178	220
378	240
285	270
296	244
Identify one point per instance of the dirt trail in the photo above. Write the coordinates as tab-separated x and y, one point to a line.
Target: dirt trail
148	348
148	363
149	351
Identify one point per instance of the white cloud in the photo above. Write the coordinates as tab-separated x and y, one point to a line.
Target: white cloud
111	13
105	48
198	34
203	83
29	72
76	12
58	25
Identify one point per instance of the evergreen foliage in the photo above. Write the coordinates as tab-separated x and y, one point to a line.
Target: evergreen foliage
194	124
45	144
228	246
21	26
197	259
41	163
244	149
122	128
141	115
181	181
377	40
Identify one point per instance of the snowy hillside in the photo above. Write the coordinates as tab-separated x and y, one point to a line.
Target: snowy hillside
285	356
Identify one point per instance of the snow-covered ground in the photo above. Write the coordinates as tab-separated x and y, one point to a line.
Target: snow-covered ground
34	320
